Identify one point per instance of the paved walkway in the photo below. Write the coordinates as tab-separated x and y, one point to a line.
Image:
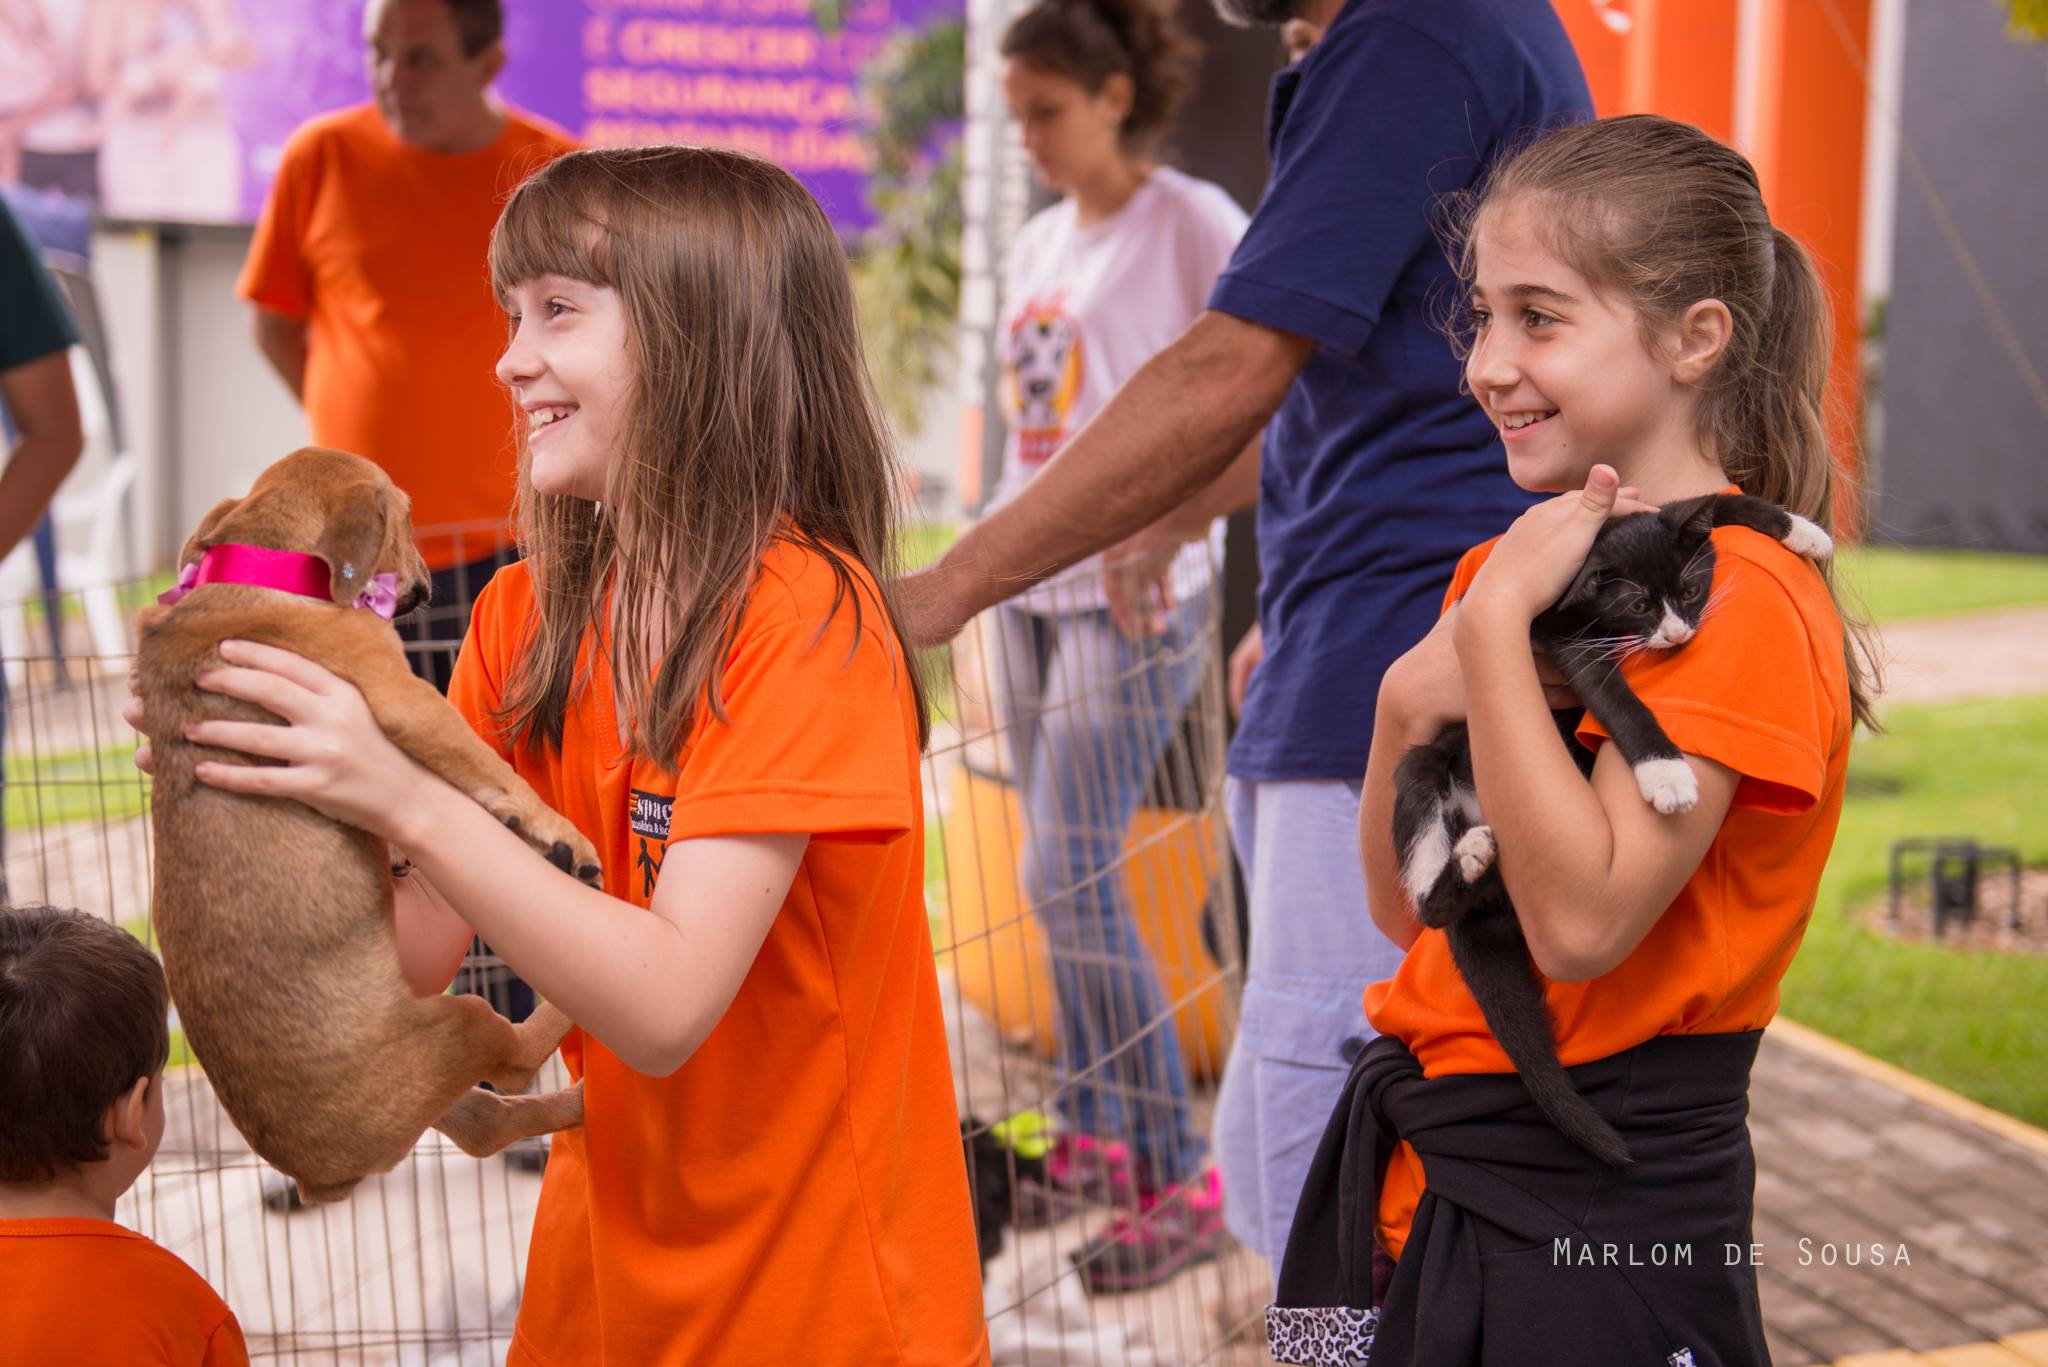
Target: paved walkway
1891	1215
2002	652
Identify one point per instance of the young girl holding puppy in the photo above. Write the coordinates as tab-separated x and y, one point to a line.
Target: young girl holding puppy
698	663
1635	320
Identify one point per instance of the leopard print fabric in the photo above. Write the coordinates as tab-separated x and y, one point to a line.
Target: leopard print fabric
1321	1335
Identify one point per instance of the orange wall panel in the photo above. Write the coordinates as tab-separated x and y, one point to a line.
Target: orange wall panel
1694	64
1602	52
1813	172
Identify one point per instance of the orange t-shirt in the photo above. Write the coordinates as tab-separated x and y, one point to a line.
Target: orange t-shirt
796	1192
147	1308
385	248
1763	689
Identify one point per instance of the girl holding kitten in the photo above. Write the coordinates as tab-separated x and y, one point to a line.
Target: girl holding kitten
1640	333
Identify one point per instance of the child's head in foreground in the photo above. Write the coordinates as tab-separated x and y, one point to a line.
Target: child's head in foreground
1632	304
83	1043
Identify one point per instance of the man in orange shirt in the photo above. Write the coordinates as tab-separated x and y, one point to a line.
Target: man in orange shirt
372	296
83	1041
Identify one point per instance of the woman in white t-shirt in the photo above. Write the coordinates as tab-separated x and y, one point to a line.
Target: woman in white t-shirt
1097	285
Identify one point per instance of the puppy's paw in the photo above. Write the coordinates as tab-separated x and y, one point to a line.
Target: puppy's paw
550	833
1807	539
1475	852
1669	785
579	861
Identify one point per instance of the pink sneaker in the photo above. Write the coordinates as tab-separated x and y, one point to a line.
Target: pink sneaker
1080	1170
1172	1229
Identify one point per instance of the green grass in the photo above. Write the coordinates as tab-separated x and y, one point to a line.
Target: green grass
924	542
78	785
1969	1021
1894	584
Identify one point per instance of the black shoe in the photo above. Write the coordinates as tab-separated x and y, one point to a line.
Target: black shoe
531	1158
280	1193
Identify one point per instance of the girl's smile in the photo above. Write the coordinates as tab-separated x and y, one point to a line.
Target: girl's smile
1518	426
545	420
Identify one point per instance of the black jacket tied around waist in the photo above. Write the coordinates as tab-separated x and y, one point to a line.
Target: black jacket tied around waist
1524	1248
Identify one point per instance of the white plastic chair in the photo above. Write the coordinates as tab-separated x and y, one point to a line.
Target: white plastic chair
90	514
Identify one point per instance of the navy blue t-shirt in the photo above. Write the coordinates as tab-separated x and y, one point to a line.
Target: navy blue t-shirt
1377	473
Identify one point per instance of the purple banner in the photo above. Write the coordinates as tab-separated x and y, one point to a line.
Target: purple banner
177	111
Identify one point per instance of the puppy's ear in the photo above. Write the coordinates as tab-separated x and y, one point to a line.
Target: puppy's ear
401	553
353	538
208	532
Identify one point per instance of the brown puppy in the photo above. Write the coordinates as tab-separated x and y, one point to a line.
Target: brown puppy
275	922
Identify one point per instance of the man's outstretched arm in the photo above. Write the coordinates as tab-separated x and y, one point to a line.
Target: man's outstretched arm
1169	432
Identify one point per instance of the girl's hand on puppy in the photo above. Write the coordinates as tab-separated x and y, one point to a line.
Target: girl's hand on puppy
1532	566
131	712
333	755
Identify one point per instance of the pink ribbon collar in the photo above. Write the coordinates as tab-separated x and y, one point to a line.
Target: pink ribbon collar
292	571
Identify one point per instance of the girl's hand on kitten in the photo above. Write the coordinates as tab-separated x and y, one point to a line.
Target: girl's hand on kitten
1424	690
1533	564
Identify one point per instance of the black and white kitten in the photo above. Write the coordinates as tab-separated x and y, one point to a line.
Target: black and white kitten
1644	586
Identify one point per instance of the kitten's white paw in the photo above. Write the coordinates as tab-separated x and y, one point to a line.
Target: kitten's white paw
1669	785
1426	858
1807	539
1475	850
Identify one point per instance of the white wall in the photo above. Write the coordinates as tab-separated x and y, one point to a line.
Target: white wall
203	410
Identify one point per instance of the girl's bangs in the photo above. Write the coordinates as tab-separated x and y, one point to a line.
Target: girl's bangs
544	232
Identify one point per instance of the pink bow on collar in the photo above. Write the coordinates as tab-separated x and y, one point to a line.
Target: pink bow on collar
382	595
290	571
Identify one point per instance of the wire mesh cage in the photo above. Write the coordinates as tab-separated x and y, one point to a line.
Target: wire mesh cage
1084	921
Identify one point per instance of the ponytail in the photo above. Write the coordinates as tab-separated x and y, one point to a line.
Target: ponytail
1779	446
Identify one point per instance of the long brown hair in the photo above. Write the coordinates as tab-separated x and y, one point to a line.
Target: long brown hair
1664	216
753	419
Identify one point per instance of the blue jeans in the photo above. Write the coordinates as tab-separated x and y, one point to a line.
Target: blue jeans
1089	714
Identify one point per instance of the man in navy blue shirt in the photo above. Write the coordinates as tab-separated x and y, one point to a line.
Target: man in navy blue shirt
1376	474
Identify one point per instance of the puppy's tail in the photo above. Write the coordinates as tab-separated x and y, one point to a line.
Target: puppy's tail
1503	981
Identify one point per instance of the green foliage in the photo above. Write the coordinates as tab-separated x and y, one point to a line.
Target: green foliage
1969	1021
2028	19
906	281
906	270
